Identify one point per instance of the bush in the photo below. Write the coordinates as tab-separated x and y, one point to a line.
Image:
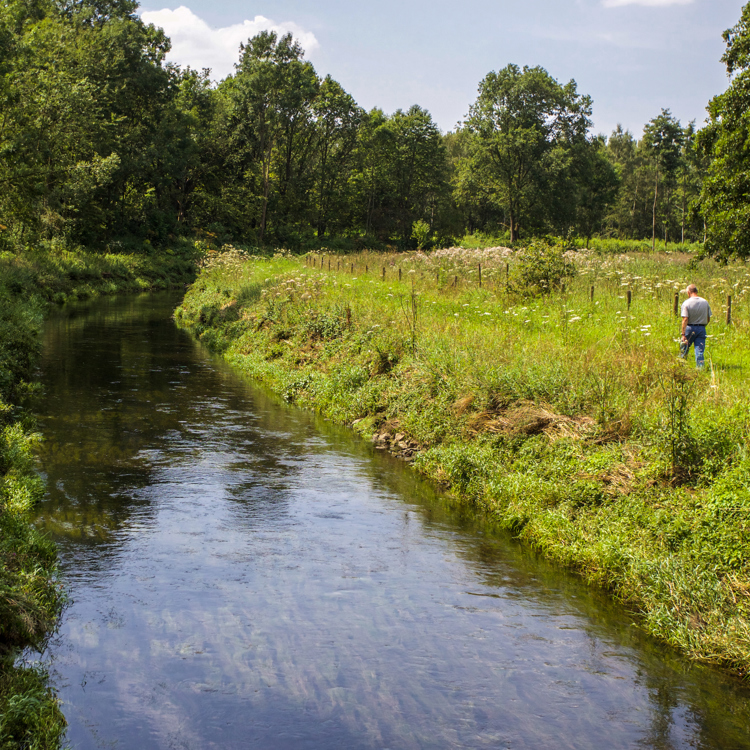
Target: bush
540	268
420	231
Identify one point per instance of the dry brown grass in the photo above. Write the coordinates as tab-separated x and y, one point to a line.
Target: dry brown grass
529	418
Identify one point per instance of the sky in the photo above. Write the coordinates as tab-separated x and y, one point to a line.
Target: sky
633	57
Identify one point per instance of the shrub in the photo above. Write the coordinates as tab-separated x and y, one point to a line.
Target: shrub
540	268
420	232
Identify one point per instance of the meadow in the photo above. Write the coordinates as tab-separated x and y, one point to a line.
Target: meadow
549	394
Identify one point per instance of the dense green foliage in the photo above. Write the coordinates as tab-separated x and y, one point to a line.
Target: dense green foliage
570	419
529	138
104	145
724	144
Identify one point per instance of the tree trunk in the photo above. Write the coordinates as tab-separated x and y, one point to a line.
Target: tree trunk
323	206
262	232
635	203
683	212
653	216
266	183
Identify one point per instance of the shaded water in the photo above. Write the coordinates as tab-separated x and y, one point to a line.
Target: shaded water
244	575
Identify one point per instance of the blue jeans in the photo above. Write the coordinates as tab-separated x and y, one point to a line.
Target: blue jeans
696	337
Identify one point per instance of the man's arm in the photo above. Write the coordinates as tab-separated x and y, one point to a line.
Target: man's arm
684	325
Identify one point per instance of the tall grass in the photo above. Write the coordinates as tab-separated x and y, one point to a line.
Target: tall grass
567	416
601	245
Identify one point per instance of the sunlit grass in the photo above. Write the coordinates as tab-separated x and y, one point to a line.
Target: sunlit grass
569	418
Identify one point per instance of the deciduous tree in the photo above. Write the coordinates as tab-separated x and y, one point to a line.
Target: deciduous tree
662	139
519	118
725	141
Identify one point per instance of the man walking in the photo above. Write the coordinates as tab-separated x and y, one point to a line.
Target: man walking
696	315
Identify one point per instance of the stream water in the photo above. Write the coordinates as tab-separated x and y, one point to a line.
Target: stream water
243	575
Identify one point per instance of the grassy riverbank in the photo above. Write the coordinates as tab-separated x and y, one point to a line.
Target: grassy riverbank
568	417
30	594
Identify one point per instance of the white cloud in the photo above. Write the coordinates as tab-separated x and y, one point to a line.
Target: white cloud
647	3
196	44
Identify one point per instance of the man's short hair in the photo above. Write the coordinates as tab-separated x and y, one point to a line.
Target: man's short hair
692	289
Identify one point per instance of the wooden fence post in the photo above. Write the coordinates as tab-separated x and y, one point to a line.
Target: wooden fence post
399	273
676	303
329	264
729	309
480	275
352	267
367	268
383	273
630	298
592	293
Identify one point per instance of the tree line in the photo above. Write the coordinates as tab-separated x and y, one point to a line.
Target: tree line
104	144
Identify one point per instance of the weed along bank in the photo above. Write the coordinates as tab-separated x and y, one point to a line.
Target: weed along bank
542	385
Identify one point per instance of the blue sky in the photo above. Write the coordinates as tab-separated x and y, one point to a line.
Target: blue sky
633	57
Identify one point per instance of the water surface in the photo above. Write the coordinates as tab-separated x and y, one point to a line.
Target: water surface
245	576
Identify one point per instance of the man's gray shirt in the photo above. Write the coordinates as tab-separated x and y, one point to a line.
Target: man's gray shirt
696	310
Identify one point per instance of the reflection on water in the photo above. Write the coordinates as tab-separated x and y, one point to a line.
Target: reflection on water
244	575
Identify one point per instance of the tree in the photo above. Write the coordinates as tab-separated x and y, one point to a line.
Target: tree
627	160
402	172
338	119
418	164
519	118
596	183
662	139
83	94
689	178
184	148
725	141
372	179
269	113
472	207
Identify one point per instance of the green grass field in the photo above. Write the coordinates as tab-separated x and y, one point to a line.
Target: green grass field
569	418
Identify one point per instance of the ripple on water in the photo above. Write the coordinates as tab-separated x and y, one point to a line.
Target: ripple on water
243	575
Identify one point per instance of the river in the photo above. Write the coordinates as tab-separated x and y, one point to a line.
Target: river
244	575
